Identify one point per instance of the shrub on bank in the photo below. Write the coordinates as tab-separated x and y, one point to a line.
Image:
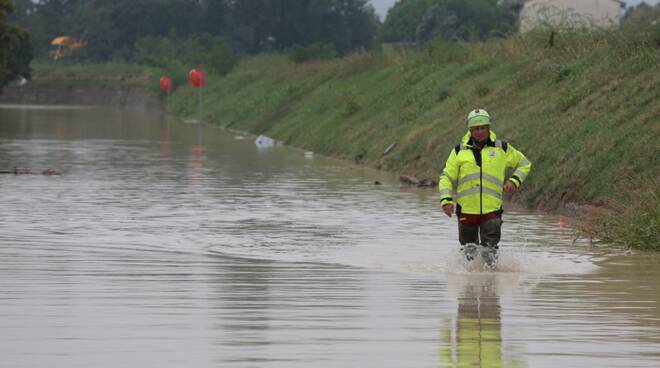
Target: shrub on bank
633	222
316	51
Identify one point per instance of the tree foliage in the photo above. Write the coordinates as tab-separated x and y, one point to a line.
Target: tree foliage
253	26
642	17
177	55
421	21
111	29
15	49
403	19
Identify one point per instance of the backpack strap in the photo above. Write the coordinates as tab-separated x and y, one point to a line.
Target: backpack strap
502	144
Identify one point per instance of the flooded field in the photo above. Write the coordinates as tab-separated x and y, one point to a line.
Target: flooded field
163	244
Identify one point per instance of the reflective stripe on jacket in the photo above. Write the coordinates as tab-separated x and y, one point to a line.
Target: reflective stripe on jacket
476	176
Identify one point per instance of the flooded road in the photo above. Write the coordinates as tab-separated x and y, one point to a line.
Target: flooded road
165	245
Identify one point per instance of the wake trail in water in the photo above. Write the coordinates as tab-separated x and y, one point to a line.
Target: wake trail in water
451	261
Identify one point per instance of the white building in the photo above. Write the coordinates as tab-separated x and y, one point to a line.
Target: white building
570	13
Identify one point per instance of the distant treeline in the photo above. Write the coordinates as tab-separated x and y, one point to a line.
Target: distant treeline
112	30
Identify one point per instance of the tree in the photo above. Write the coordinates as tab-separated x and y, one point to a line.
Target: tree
643	16
23	9
262	25
423	20
49	19
15	49
403	19
176	55
110	29
465	20
355	27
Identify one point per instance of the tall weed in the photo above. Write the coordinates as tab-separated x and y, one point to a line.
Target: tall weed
632	219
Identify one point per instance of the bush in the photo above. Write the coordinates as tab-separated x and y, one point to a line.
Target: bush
633	222
316	51
176	57
15	52
206	51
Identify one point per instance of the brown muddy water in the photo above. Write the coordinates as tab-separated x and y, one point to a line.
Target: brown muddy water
163	244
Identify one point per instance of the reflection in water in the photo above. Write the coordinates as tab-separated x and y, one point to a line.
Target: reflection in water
474	337
244	303
196	162
197	155
165	137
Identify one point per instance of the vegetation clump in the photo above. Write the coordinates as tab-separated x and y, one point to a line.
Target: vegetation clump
316	51
15	48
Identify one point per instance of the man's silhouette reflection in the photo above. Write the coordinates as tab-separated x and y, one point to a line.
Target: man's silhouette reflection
475	336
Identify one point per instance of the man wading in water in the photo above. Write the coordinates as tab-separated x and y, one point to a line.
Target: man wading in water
475	170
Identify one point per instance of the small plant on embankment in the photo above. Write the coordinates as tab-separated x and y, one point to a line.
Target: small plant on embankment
634	223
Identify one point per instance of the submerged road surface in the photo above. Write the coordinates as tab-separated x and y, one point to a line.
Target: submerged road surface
163	244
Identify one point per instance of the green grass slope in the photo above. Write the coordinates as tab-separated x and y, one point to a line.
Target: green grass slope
585	111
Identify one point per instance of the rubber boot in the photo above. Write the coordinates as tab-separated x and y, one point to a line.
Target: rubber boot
489	256
470	251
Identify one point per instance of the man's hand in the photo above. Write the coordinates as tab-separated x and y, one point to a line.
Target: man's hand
509	187
448	209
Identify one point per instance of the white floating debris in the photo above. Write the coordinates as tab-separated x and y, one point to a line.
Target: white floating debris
263	141
309	154
21	81
239	137
389	148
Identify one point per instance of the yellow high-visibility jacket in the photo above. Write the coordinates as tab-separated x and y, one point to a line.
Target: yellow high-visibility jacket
477	175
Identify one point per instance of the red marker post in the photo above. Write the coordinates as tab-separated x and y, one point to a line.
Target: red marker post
166	85
197	79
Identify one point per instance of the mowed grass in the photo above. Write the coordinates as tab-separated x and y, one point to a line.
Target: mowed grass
585	111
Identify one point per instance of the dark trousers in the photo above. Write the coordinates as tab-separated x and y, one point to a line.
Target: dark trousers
487	233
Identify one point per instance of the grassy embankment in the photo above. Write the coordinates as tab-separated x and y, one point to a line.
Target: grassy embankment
586	112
